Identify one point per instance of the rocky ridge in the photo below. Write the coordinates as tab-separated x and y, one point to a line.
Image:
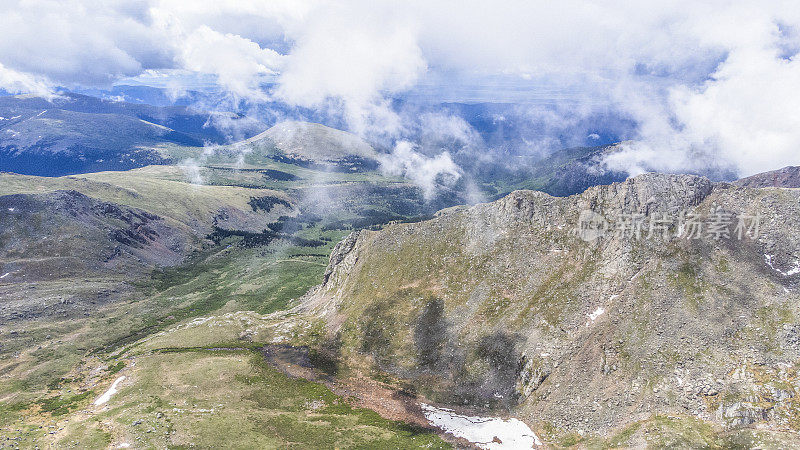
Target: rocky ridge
511	306
788	177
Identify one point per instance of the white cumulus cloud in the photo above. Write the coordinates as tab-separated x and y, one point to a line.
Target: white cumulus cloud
16	82
704	83
355	54
239	63
428	172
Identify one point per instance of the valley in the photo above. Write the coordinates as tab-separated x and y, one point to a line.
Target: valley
99	263
334	225
268	294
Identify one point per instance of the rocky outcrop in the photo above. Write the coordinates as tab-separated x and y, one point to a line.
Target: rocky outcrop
679	300
342	258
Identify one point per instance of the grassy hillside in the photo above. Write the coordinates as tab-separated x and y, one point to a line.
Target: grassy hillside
161	190
54	369
257	234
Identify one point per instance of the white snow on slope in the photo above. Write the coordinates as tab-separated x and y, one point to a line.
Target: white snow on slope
111	391
597	313
485	432
793	271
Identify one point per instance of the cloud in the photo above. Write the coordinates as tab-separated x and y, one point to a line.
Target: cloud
192	170
238	62
72	42
704	83
16	82
748	112
354	54
240	65
742	118
429	173
439	127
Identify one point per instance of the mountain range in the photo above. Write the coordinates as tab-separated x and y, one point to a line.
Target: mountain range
281	290
75	133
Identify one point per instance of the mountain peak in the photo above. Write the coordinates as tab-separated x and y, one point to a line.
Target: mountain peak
314	142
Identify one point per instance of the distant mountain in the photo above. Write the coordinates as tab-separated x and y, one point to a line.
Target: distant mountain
315	142
148	95
310	143
513	126
573	170
788	177
77	133
182	119
562	173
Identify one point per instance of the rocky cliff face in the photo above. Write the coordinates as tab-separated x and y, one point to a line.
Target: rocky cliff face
660	295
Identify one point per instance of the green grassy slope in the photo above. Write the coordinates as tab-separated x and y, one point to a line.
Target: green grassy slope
53	370
261	234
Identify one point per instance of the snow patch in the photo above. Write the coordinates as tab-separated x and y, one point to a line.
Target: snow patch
594	315
199	321
485	432
111	391
155	125
597	313
5	275
793	271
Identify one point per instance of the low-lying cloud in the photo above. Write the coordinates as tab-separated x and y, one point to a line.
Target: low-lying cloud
428	172
16	82
707	84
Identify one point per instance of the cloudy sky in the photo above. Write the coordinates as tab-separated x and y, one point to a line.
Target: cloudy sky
706	83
